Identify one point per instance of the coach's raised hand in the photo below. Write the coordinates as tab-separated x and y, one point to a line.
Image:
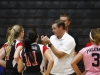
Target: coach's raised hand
45	40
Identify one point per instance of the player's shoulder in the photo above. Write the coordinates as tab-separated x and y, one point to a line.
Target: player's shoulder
18	42
84	49
40	44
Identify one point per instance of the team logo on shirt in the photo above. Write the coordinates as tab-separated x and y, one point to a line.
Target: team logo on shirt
34	47
93	49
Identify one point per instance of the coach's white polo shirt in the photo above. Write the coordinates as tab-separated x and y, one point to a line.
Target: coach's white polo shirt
66	44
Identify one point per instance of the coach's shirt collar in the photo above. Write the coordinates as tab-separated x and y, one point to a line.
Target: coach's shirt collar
64	36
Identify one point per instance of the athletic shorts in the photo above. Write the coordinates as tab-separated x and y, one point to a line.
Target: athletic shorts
37	73
12	73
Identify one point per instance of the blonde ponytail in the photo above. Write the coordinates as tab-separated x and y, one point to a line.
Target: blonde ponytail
14	34
10	41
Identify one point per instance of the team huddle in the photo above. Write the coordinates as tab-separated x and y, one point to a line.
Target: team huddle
56	55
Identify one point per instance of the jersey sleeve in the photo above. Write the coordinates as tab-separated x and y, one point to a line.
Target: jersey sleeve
82	50
19	44
44	48
4	46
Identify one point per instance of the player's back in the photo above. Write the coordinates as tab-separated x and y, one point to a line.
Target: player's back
91	57
32	67
11	65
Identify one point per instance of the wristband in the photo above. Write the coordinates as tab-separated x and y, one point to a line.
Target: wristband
49	45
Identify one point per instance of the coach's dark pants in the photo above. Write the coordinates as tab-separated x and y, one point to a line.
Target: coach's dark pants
67	74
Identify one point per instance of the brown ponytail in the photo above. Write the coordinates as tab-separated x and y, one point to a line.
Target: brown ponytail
96	36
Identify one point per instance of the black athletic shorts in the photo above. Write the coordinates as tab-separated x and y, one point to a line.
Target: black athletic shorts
36	73
8	72
13	74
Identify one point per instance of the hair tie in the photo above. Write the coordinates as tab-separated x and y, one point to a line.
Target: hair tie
14	30
91	36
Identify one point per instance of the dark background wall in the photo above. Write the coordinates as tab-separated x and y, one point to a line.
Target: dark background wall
37	14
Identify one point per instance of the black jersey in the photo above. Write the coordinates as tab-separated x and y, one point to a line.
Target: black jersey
11	65
76	40
32	67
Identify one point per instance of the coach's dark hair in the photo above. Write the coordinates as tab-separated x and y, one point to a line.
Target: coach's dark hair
66	15
30	38
59	23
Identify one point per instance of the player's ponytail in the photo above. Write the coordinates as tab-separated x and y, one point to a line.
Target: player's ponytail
31	37
95	33
8	33
10	41
97	39
27	46
14	33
